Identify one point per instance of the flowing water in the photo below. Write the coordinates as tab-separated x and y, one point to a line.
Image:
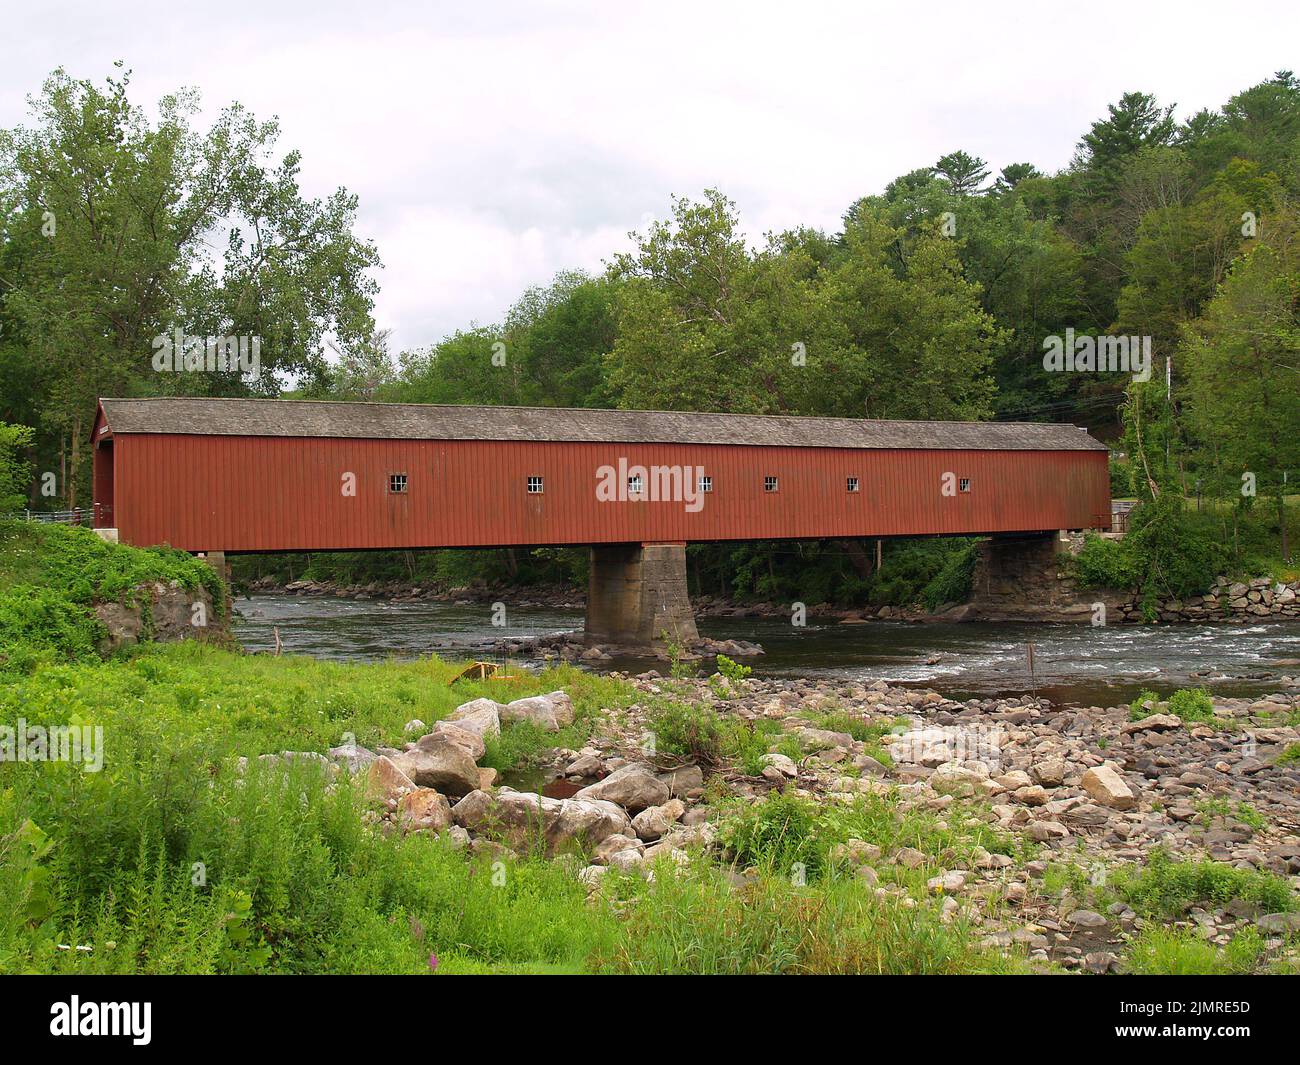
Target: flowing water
1072	663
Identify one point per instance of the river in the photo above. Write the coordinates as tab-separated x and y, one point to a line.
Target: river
1072	663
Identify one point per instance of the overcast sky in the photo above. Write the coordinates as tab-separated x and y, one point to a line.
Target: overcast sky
493	144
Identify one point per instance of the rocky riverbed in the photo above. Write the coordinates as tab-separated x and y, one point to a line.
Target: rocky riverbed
1083	795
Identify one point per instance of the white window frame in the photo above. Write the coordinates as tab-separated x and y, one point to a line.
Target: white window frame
852	484
536	485
963	485
705	484
398	484
635	485
771	484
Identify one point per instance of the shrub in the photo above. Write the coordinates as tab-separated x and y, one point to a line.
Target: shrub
952	584
686	729
1139	708
1189	704
1192	704
36	619
733	671
1167	551
1103	563
778	835
1165	887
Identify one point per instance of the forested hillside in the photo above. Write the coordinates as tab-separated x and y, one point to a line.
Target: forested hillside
936	298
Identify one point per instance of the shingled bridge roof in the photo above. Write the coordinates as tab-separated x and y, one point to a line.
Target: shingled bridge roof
420	421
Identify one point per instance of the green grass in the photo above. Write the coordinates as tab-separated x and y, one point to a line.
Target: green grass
117	848
782	831
1209	809
1170	952
702	924
862	730
1193	705
1166	887
253	704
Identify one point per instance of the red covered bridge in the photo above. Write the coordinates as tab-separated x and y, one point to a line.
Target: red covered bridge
240	475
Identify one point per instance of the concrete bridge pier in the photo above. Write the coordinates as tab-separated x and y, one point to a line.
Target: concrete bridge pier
1020	577
636	593
217	560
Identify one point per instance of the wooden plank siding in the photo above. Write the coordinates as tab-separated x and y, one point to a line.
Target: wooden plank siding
283	493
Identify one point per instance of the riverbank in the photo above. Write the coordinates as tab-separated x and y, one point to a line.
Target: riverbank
924	834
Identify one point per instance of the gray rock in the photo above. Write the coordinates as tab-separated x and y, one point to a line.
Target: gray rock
452	730
552	711
441	763
1086	919
526	821
1278	924
633	787
352	757
683	780
654	821
1107	787
479	716
384	780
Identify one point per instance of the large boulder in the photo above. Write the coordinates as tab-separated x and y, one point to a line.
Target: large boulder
451	730
552	711
632	786
683	780
524	820
352	757
480	716
1107	787
1050	772
440	762
1153	723
424	810
655	821
385	781
958	779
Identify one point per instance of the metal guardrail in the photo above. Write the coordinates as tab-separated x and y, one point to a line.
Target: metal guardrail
1120	511
76	516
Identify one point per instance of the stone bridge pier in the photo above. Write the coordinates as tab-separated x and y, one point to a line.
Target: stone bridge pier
1022	577
636	593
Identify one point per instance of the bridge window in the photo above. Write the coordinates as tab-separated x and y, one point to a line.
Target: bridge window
397	483
769	484
534	486
706	484
963	485
634	485
851	485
